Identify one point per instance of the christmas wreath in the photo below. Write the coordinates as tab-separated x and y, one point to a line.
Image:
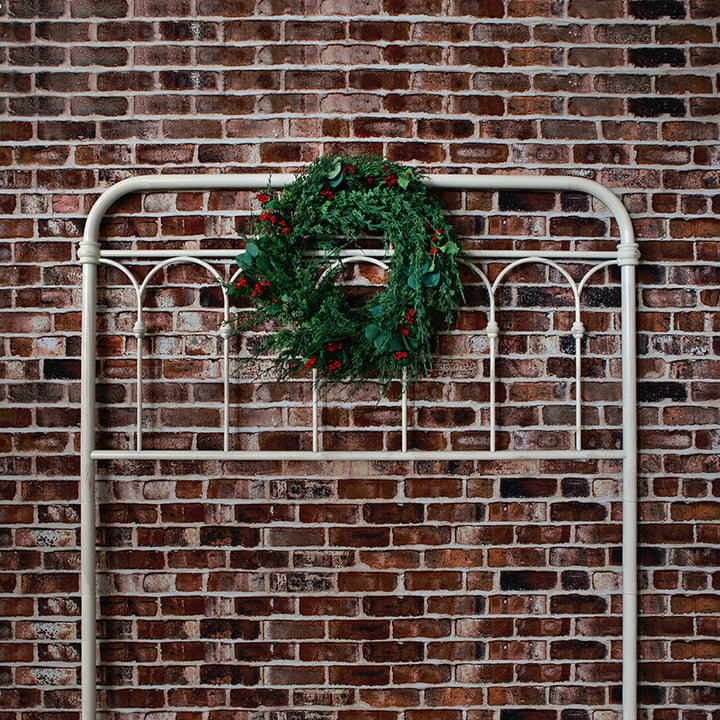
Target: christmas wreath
291	267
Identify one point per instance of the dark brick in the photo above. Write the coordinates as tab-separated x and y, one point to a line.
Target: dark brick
657	106
527	487
655	57
577	649
229	629
652	391
575	580
61	369
655	9
527	580
525	201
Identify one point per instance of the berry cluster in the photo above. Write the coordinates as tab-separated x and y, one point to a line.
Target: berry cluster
273	219
327	192
263	198
390	179
332	347
437	234
260	287
241	283
409	319
400	355
310	362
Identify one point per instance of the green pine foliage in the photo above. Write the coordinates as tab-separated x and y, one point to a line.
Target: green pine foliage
290	271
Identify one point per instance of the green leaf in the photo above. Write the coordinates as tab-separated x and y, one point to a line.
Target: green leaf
334	182
376	311
335	169
381	340
450	248
431	279
403	180
412	282
244	261
396	343
252	249
372	331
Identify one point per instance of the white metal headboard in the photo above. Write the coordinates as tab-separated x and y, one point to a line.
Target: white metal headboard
626	256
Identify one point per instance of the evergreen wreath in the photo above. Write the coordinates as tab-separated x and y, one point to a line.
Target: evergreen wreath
290	269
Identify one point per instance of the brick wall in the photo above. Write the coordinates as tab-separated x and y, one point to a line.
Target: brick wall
452	591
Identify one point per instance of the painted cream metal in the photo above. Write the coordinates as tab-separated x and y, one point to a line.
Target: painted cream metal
626	256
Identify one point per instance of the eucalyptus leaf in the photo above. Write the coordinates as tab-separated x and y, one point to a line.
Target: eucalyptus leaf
431	279
403	180
396	343
412	282
334	182
372	331
252	249
245	261
381	340
335	169
376	311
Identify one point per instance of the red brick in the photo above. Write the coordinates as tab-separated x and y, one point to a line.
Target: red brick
252	29
98	56
596	57
124	31
373	31
88	9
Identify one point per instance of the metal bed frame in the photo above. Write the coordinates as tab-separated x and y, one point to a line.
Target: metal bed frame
626	256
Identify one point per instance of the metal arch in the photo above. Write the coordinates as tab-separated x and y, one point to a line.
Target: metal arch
626	257
178	259
352	259
577	329
591	272
140	331
128	274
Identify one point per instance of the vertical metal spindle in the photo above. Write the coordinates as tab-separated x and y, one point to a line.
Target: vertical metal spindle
578	330
404	410
140	331
315	422
493	330
226	332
